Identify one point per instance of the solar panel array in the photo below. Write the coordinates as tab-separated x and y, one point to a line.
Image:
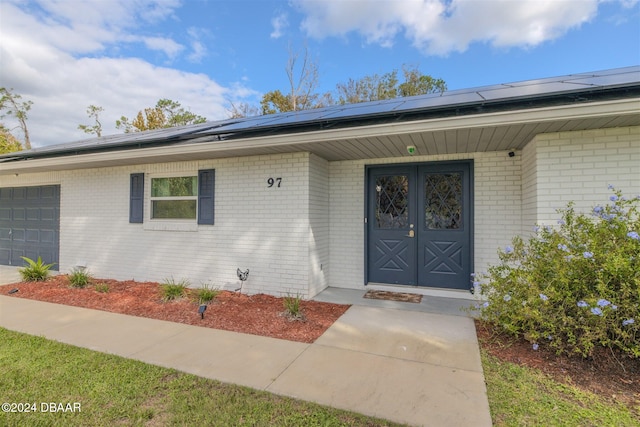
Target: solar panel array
530	89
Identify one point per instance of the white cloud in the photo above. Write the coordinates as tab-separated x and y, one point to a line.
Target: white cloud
198	48
439	27
199	51
628	4
279	24
83	26
170	47
54	53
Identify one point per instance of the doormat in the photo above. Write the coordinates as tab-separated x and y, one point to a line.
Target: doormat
393	296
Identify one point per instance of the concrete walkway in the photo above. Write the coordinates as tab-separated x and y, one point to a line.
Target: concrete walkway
407	366
9	274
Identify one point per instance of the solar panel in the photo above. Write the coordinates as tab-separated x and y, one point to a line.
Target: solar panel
609	80
419	102
244	124
302	116
530	90
272	120
125	138
612	71
364	109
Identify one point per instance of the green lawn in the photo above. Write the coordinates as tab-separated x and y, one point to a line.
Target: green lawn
521	397
112	390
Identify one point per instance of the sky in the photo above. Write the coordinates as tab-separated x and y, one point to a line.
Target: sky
125	55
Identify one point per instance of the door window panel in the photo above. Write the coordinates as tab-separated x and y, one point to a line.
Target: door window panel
392	201
443	201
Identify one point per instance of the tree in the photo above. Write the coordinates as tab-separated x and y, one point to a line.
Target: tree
175	115
275	102
10	102
165	114
416	83
93	111
8	142
303	81
375	87
303	85
242	109
368	88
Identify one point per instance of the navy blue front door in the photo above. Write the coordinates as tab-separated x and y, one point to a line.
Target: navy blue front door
419	224
391	219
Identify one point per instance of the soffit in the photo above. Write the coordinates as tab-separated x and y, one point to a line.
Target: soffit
463	140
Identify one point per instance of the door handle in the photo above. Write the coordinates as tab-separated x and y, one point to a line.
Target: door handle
411	233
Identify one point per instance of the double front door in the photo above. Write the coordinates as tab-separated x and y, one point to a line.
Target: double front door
419	225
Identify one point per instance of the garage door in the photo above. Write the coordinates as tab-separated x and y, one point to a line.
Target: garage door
29	224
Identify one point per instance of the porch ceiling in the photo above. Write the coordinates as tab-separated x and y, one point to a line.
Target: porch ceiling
462	134
462	140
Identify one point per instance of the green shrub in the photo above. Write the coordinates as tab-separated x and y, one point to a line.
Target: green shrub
102	287
574	286
171	290
206	294
35	271
79	278
292	307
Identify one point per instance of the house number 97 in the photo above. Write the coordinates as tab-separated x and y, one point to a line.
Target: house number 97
274	181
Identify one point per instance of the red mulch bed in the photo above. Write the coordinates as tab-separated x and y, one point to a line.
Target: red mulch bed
256	314
607	373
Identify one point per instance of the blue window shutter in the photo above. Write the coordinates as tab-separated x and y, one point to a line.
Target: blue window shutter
206	185
136	198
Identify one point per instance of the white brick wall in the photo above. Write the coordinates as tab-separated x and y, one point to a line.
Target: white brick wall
318	224
498	198
529	188
346	224
264	229
578	166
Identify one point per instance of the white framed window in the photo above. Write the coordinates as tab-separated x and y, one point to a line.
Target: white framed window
176	202
174	198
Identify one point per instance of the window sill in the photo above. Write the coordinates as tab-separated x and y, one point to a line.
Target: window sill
178	225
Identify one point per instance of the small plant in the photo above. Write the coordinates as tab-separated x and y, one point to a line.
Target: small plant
79	278
102	287
292	307
206	294
172	290
36	271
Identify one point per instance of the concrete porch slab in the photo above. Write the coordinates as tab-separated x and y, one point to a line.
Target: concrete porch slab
450	305
422	337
